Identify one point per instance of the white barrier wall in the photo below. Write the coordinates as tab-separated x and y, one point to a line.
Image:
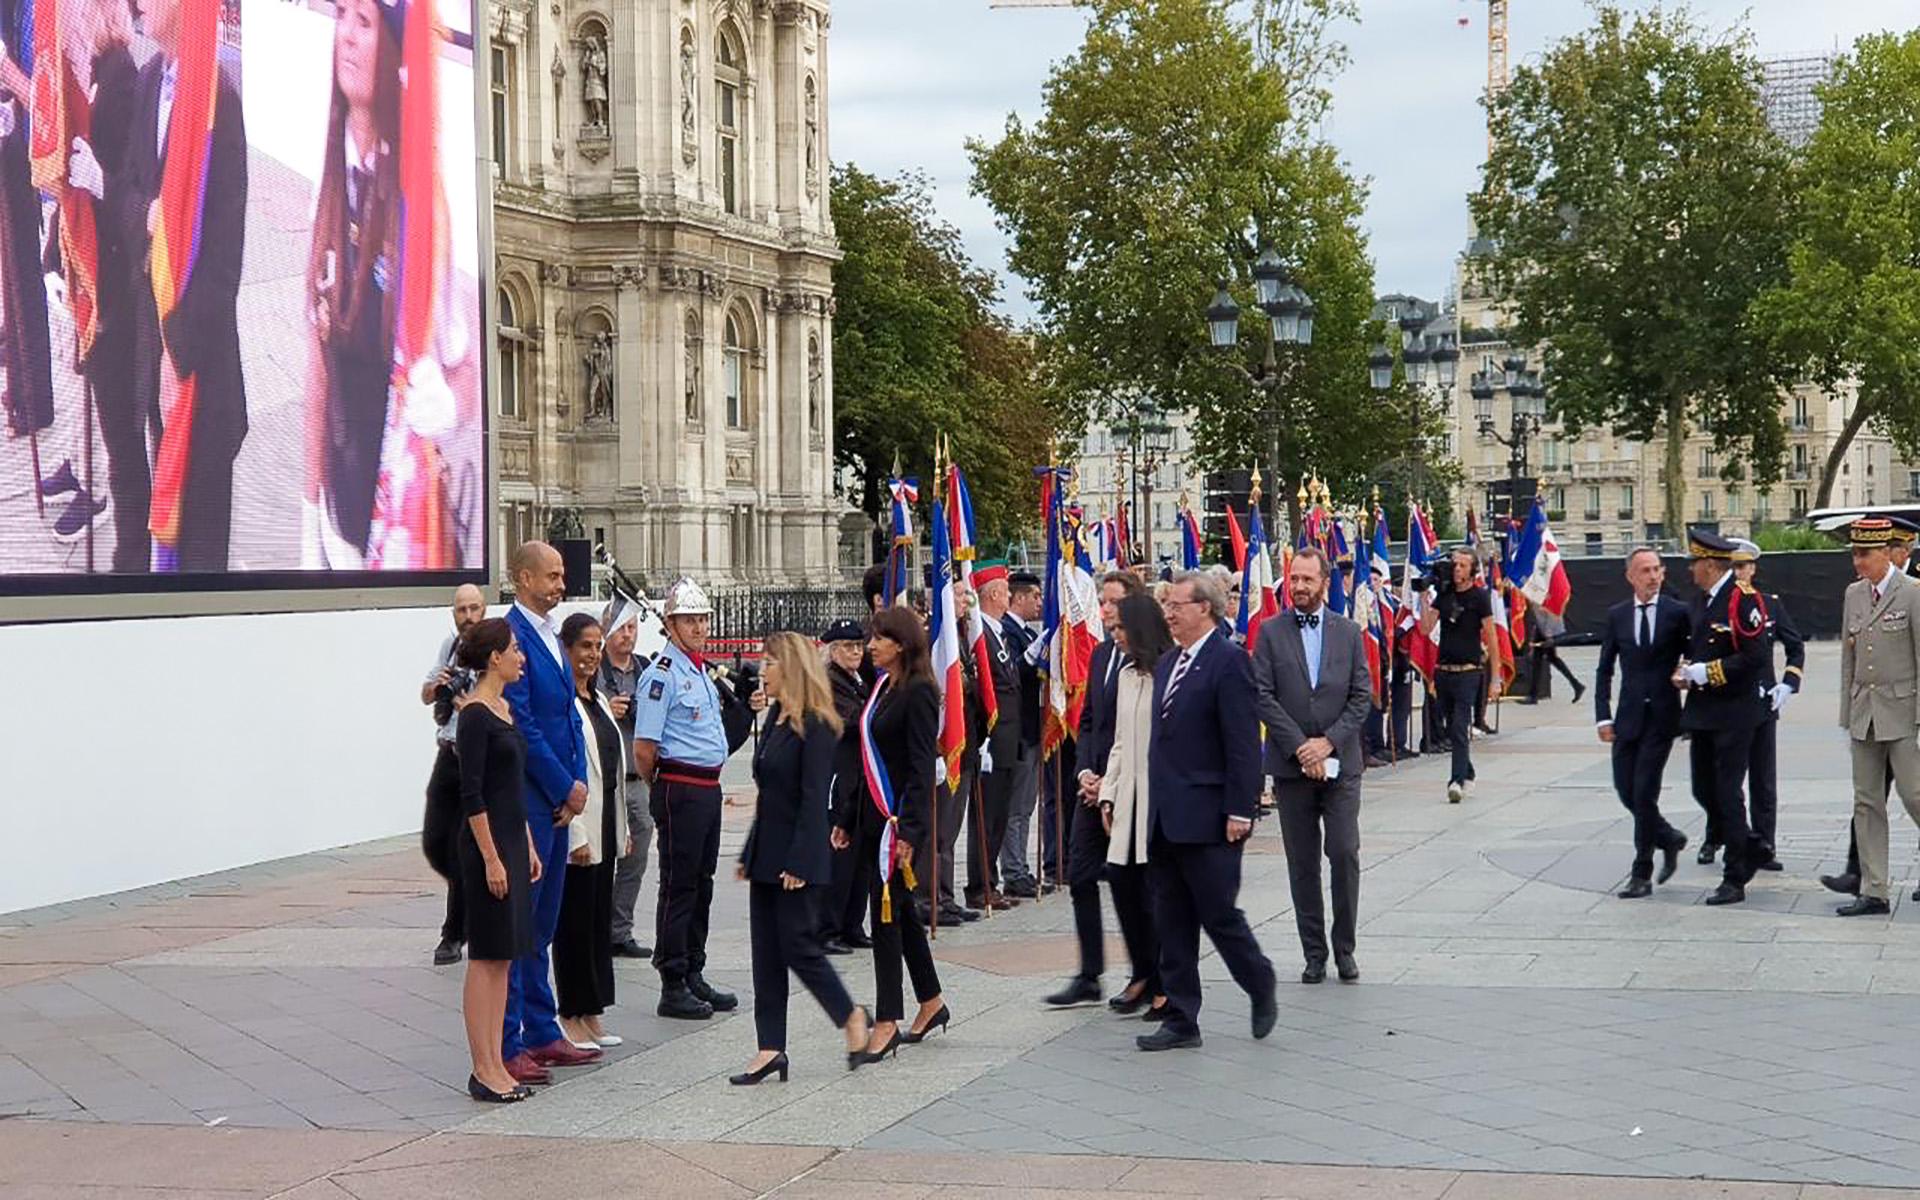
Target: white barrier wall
133	752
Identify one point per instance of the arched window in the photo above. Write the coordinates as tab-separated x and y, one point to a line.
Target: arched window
513	357
734	374
730	67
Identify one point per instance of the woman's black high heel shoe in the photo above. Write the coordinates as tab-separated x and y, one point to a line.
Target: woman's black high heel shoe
748	1078
937	1021
486	1095
874	1056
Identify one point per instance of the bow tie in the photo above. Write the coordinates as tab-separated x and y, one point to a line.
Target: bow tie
1307	620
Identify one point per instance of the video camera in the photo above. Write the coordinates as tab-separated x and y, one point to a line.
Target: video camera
458	683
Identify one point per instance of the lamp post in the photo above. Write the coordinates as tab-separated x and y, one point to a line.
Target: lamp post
1426	356
1290	315
1147	431
1528	398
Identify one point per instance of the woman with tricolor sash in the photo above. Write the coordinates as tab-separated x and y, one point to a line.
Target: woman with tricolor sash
885	819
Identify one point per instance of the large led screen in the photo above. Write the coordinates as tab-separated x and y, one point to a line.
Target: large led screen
240	329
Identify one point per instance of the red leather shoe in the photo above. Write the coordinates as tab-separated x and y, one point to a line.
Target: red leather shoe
562	1053
522	1067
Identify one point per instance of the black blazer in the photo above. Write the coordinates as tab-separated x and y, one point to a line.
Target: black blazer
904	728
1093	741
1009	691
1204	762
1649	703
1787	634
1018	638
795	778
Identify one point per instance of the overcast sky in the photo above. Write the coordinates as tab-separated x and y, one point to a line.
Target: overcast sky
913	79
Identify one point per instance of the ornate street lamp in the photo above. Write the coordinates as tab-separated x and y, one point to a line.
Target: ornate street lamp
1290	316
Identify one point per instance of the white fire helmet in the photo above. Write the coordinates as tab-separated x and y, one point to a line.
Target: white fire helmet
685	599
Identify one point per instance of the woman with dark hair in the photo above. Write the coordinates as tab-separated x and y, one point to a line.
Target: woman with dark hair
497	864
596	838
1143	637
353	278
892	810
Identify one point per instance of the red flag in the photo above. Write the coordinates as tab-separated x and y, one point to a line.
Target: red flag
61	112
1239	540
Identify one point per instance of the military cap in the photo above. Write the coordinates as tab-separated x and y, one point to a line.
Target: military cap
1705	543
1870	532
1745	551
846	629
1903	529
987	570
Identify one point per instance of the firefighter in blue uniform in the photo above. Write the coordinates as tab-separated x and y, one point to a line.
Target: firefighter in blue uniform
686	724
1763	791
1726	653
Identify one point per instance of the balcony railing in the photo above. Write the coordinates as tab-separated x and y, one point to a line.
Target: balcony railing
1556	514
1592	514
1625	514
1611	468
1800	471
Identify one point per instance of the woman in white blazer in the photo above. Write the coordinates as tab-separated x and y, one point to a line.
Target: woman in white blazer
596	839
1142	636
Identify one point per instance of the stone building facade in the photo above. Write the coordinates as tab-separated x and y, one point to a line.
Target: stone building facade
662	275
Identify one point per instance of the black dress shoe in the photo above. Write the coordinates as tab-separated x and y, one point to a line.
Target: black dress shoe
1126	1005
1376	761
447	952
1707	852
1023	891
1864	906
1079	990
682	1005
1727	893
631	949
857	939
836	947
1579	690
1670	859
1349	970
1846	885
1168	1038
1154	1016
1266	1012
1916	894
1636	889
721	1001
1316	972
1772	864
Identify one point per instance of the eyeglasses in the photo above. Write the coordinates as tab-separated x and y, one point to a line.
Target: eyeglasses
1174	602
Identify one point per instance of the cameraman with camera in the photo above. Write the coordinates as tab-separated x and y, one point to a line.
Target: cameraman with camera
1463	613
446	688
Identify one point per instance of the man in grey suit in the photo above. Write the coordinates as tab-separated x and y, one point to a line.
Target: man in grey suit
1879	680
1310	673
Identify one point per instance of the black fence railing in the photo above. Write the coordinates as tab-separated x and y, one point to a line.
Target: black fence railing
749	614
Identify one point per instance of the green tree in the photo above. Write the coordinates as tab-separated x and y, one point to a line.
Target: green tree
1175	144
919	351
1636	203
1852	307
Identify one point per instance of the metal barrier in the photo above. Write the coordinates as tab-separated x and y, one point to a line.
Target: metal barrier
746	615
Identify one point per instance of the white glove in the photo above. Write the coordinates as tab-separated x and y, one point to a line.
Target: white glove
939	769
83	170
986	761
1781	694
432	407
1696	674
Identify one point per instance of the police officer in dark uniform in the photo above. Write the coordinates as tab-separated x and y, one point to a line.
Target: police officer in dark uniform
1762	771
1726	653
686	724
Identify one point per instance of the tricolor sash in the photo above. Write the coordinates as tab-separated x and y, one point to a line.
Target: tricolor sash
880	791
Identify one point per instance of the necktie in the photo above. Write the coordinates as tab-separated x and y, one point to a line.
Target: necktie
1307	620
1173	681
1646	628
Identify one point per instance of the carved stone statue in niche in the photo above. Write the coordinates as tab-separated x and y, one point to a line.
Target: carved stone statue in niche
816	384
599	363
689	136
693	369
593	80
813	138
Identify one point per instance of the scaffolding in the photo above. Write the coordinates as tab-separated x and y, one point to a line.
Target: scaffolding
1787	91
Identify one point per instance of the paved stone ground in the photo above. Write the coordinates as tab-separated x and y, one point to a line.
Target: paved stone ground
277	1031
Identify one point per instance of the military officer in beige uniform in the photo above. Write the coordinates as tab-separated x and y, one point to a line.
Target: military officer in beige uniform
1879	700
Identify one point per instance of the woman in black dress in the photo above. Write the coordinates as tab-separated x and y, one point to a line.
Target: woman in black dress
583	942
497	864
787	851
898	728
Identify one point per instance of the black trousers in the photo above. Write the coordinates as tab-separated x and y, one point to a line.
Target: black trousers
993	806
1718	758
1317	817
843	902
1197	887
1133	904
583	941
781	924
686	819
1638	765
123	430
1086	864
440	836
1402	682
902	939
26	351
954	812
206	507
1763	784
1054	824
1459	692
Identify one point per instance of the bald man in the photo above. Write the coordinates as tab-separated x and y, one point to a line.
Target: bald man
446	690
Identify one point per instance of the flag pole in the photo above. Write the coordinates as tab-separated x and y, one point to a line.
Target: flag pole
933	843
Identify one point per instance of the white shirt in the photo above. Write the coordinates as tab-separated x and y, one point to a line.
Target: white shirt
168	76
1880	588
549	631
1644	614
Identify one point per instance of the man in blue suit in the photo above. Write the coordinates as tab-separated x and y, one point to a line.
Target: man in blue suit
1645	635
1203	791
556	791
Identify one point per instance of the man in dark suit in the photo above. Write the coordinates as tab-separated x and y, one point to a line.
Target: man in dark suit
1310	670
1203	788
1000	756
1022	629
1727	642
200	338
1087	839
1646	636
